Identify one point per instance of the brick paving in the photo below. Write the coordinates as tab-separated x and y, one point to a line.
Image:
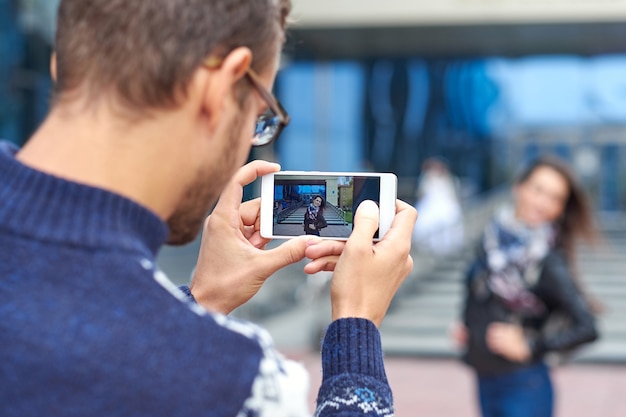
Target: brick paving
445	388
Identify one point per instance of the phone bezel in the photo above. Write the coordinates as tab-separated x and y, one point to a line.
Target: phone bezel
387	199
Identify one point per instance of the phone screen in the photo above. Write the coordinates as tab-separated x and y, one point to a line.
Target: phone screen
322	205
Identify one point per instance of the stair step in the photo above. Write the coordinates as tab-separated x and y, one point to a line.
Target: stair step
330	222
422	345
419	323
416	324
603	350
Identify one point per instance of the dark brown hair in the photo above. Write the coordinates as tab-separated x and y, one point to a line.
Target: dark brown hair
323	205
145	51
576	222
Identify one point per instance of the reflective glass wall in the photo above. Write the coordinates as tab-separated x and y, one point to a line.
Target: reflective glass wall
486	116
26	33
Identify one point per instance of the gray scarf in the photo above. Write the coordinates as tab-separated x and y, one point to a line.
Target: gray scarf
514	255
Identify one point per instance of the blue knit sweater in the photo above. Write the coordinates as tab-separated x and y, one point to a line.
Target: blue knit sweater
90	327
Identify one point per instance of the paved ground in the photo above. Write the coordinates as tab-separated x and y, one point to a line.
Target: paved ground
424	387
444	388
297	230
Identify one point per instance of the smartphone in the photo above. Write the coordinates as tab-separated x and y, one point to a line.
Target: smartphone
295	203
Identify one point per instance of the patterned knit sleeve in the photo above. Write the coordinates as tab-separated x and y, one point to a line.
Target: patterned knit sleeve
281	386
354	382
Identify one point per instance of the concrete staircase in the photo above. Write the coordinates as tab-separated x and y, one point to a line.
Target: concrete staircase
603	270
419	323
429	301
297	217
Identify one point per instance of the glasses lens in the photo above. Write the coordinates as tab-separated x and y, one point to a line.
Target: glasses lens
266	127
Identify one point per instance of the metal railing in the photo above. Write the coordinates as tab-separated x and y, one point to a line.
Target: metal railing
287	211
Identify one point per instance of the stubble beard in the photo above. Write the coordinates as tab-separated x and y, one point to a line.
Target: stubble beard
187	220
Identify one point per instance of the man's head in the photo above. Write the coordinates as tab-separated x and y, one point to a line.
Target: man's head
148	58
146	51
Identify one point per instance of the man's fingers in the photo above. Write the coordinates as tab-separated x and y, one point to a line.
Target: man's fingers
403	223
249	211
257	240
326	263
233	192
249	172
289	252
318	248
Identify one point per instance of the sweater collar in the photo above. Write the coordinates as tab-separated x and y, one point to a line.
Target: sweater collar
50	208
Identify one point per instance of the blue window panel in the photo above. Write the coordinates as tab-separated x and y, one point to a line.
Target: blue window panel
345	146
563	151
382	113
325	104
606	76
556	90
297	94
417	102
531	152
609	174
11	55
42	100
549	90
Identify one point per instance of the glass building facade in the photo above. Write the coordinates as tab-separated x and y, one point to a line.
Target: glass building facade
486	116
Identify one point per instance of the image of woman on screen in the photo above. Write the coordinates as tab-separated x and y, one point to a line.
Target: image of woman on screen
314	219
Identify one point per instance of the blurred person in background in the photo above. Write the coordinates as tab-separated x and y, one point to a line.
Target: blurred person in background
439	229
154	113
523	299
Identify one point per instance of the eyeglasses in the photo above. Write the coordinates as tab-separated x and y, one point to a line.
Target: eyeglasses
271	123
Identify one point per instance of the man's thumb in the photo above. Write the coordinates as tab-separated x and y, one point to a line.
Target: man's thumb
289	252
366	220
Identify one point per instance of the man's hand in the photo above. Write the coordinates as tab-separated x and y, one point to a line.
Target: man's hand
233	263
508	340
367	274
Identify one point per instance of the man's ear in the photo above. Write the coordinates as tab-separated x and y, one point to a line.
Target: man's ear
53	66
237	63
218	83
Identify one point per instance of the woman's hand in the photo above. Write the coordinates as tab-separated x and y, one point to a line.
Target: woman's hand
459	335
508	340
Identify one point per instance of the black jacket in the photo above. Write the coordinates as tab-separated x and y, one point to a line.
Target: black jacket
555	287
319	221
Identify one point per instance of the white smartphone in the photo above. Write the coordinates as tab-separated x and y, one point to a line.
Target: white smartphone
295	203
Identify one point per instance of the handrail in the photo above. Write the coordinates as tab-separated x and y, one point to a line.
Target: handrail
340	212
283	214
